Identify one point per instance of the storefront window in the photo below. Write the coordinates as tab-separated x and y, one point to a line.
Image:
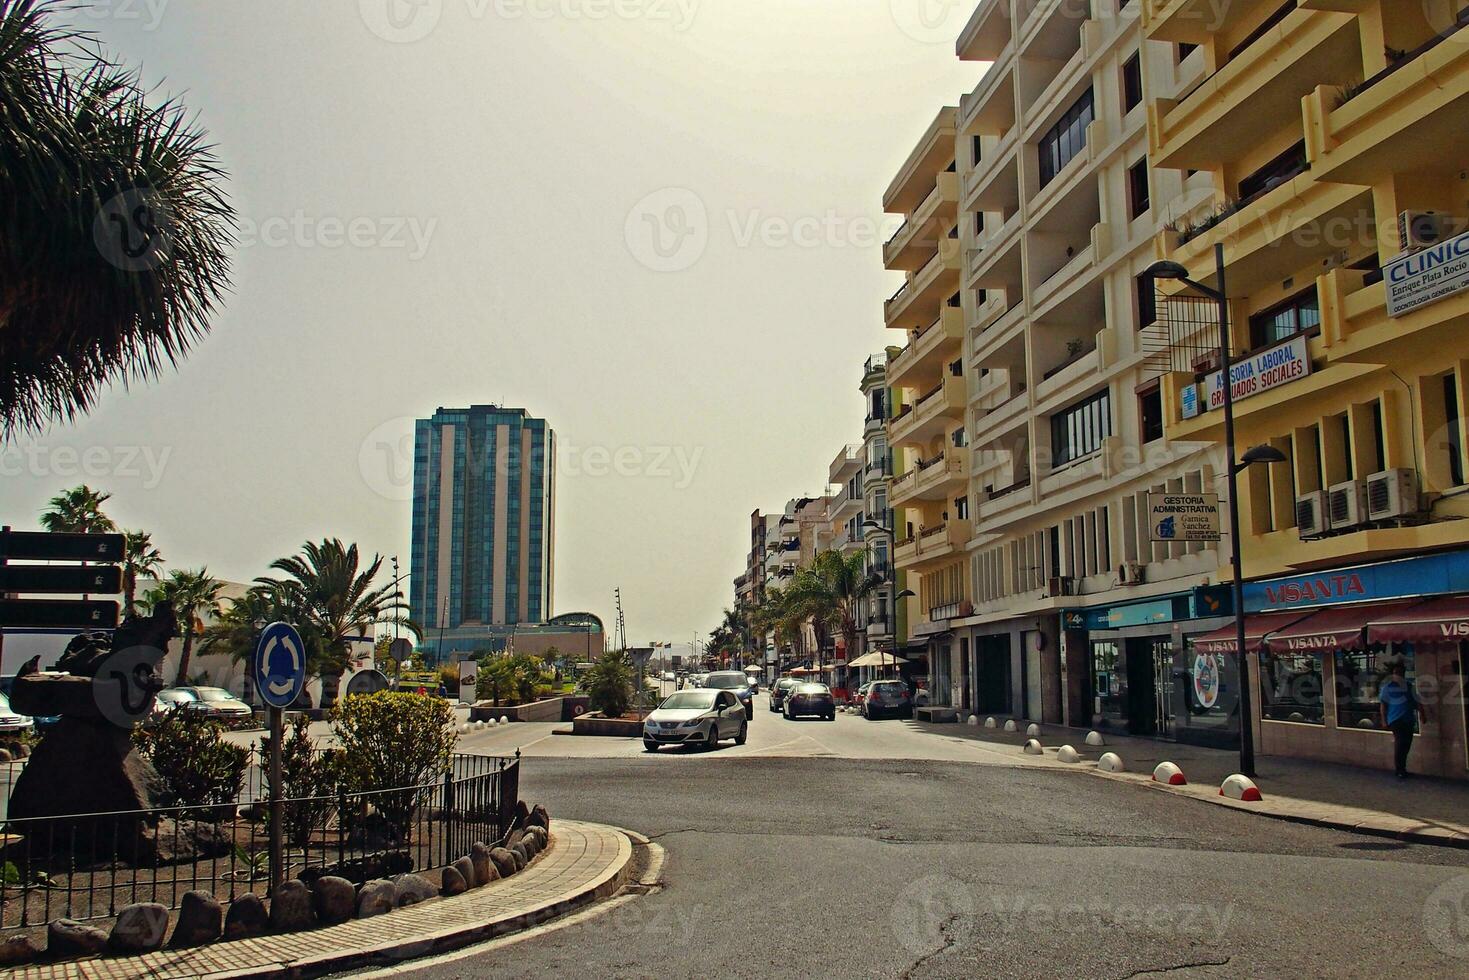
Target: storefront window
1206	697
1291	688
1359	673
1109	685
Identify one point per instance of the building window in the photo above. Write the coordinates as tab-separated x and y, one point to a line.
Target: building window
1299	314
1137	187
1078	431
976	148
1291	688
978	223
1150	411
1065	141
1132	82
1359	673
1185	49
1455	429
1273	174
1147	301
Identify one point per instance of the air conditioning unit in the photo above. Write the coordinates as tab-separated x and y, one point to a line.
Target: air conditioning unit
1311	514
1130	573
1420	229
1059	585
1392	493
1346	504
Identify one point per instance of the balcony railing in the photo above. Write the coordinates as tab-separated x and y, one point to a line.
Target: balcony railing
1460	23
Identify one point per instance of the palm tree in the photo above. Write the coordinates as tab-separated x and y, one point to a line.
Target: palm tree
113	225
78	510
849	585
327	595
235	631
139	559
194	595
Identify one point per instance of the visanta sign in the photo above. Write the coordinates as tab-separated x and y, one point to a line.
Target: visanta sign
1320	589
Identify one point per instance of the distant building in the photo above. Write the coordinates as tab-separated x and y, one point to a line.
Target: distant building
484	500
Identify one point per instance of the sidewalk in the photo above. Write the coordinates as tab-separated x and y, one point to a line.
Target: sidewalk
583	863
1371	801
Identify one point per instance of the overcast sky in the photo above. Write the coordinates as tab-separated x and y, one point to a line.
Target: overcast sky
655	223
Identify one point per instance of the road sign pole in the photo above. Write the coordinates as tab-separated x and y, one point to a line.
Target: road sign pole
277	807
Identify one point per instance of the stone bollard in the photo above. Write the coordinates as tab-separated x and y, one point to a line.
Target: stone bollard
1010	725
973	720
1032	747
1168	773
1068	754
1111	762
1033	730
1095	738
1242	788
991	723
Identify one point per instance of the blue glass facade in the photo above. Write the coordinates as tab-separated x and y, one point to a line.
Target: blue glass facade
485	475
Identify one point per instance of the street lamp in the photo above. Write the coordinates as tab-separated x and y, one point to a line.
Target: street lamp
1257	454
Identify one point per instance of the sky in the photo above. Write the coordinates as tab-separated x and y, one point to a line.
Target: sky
655	223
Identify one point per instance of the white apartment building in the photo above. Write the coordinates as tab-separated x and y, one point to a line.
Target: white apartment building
1031	428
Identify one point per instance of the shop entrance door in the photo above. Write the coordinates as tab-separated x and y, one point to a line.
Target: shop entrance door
992	666
1162	651
1150	687
964	672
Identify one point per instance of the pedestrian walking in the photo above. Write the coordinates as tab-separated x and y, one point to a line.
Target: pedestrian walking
1400	711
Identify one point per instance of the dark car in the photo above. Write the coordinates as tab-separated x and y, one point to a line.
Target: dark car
735	681
810	699
887	699
780	689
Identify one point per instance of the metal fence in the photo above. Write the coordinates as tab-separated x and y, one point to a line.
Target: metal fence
88	866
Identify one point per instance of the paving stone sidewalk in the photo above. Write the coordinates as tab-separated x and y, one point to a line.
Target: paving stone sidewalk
583	862
1421	808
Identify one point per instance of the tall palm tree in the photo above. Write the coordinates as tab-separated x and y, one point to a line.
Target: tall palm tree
848	585
78	510
328	595
113	224
194	595
139	559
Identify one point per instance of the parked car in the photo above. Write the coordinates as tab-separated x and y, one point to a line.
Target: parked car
810	699
861	694
887	699
668	675
218	704
780	689
700	717
10	722
736	681
170	698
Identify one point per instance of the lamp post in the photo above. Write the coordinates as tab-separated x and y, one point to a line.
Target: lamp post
1258	454
873	525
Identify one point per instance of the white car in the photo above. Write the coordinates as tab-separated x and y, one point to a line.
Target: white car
10	721
701	717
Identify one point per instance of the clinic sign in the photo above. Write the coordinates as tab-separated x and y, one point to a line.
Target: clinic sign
1426	276
1280	365
1183	516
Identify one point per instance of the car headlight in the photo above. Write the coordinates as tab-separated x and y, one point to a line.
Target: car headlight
693	724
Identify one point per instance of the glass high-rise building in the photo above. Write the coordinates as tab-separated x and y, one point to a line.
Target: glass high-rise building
484	501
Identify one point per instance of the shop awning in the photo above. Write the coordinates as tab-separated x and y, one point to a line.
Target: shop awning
1331	628
1225	639
1444	619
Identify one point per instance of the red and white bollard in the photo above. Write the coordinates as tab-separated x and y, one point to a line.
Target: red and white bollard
1170	774
1239	787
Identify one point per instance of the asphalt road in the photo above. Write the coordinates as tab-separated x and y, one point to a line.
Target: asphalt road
875	849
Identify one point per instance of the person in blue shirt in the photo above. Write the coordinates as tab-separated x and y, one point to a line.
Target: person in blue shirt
1400	710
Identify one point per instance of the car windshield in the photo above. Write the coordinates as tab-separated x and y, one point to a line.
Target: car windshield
813	689
4	703
725	681
176	697
215	694
786	683
890	687
684	700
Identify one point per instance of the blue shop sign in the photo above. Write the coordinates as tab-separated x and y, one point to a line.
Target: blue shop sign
1425	575
1195	604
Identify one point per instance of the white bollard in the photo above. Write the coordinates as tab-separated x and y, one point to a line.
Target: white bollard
1111	762
990	723
1170	774
1068	754
504	720
974	720
1095	738
1010	725
1033	730
1032	747
1239	787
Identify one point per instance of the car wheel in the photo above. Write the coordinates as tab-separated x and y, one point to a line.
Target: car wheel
649	746
744	734
712	741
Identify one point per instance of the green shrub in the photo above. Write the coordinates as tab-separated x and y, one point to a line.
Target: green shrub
519	676
197	765
609	682
393	739
309	778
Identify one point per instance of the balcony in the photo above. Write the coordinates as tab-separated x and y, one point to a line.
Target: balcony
920	364
1000	344
996	263
926	228
941	478
931	415
987	33
916	303
1408	119
878	470
989	108
847	463
932	545
844	507
1355	327
1194	21
933	154
1060	381
1266	81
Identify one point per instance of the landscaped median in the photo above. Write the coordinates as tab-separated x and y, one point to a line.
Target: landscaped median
579	864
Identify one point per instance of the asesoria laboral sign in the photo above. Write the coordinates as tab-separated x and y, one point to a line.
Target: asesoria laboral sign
1268	369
